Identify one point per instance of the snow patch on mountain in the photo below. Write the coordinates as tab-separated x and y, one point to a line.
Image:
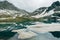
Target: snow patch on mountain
44	14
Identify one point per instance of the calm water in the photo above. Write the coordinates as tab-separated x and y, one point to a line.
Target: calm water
5	29
6	34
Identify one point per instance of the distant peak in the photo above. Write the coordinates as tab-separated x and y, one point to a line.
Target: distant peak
3	0
7	5
57	3
54	5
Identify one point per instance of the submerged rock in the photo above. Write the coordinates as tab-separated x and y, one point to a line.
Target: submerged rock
56	34
6	34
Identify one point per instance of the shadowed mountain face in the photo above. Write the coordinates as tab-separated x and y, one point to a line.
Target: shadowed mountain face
7	5
39	10
54	5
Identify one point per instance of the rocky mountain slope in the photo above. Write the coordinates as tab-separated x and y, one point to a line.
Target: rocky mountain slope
39	10
7	5
8	9
47	11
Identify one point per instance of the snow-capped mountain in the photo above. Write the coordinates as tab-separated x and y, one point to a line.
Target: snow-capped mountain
48	11
8	9
39	10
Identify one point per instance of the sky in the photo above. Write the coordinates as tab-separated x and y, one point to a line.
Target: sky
31	5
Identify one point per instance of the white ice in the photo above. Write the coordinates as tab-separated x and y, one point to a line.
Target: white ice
34	31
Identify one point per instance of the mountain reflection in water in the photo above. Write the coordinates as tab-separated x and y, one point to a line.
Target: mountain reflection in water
7	34
6	29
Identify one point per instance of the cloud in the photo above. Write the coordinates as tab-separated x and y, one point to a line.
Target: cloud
31	5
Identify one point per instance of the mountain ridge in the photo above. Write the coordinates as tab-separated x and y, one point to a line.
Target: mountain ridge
48	10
